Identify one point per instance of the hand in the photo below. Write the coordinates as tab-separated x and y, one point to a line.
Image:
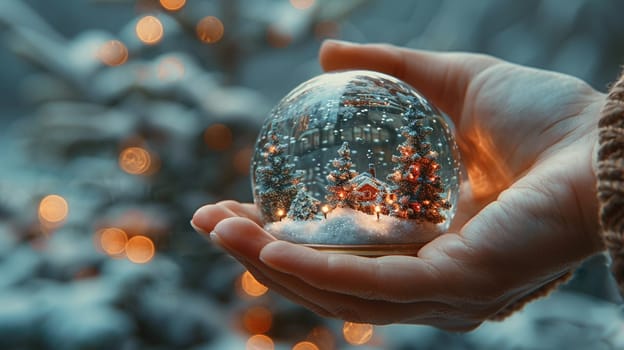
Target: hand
527	214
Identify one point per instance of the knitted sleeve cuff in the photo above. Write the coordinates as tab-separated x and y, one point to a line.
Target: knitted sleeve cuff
610	175
542	291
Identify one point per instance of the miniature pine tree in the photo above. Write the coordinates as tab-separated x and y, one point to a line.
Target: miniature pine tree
417	186
275	181
339	190
428	195
303	207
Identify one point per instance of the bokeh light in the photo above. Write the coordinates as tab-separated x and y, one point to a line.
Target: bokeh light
357	333
322	337
209	29
149	30
305	345
140	249
53	209
172	5
113	241
170	69
135	161
251	286
277	39
257	320
260	342
326	29
113	53
218	137
242	160
302	4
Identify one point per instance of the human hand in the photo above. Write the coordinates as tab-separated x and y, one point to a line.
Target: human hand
527	214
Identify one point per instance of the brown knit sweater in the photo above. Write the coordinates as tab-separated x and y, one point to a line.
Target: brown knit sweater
610	175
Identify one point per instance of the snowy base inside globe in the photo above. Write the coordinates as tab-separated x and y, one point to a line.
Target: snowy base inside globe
351	231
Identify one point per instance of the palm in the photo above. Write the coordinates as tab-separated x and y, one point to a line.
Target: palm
519	149
509	119
520	223
514	139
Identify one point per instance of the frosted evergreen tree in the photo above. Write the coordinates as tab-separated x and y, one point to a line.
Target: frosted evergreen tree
340	190
303	207
416	183
276	181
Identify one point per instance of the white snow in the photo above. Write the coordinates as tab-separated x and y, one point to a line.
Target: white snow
347	226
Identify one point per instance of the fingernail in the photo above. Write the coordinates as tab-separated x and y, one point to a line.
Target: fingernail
214	237
339	42
267	254
196	228
217	241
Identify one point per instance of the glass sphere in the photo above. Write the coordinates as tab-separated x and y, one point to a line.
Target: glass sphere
356	161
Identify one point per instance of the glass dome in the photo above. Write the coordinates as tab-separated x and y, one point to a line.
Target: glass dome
356	161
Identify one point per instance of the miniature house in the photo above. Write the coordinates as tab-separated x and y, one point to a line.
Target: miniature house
368	189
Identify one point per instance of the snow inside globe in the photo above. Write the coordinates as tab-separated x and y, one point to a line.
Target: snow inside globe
356	162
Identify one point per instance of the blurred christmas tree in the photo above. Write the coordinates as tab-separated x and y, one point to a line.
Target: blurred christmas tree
147	124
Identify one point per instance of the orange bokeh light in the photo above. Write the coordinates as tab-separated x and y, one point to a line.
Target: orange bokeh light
258	320
113	53
305	345
172	5
170	68
326	29
357	333
251	286
53	209
259	342
278	39
242	160
113	240
149	30
302	4
140	249
209	29
135	160
322	337
218	137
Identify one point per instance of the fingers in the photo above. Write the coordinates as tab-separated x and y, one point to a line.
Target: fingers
449	325
244	240
444	78
207	217
241	236
392	278
260	273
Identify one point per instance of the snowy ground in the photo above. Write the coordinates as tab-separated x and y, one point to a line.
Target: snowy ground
348	226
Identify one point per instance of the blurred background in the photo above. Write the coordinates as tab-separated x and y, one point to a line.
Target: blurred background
119	118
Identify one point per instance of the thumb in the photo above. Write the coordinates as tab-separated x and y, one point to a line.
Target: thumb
444	78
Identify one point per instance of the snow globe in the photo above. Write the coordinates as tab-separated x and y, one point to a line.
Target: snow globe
356	162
